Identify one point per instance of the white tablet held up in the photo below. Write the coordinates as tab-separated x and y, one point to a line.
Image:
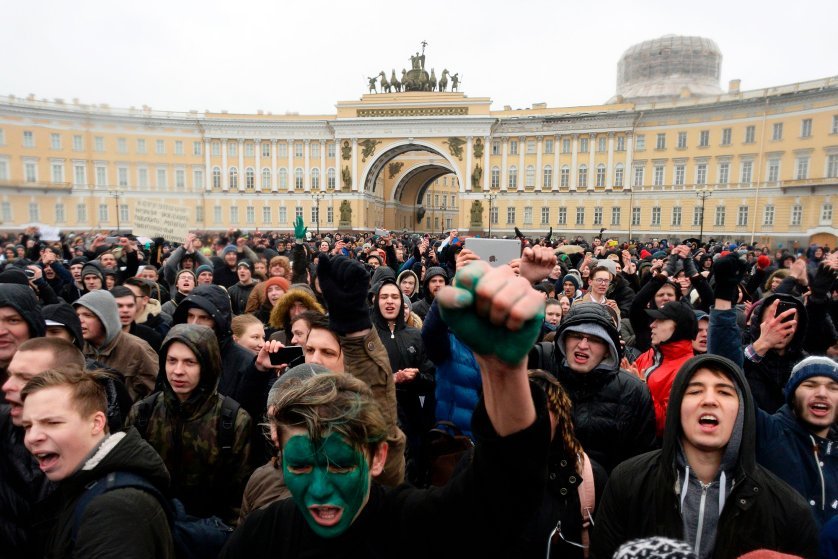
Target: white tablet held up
496	252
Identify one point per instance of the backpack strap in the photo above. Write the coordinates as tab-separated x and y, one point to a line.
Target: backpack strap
109	482
227	425
587	499
145	408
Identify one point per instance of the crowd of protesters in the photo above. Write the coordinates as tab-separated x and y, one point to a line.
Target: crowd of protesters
277	395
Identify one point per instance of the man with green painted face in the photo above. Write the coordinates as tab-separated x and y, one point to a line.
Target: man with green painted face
333	438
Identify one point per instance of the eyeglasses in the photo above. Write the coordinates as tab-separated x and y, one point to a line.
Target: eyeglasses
601	280
579	336
558	530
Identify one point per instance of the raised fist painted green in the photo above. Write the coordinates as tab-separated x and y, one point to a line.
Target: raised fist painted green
299	228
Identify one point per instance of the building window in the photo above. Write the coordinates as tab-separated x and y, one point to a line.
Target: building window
600	175
122	145
234	177
28	139
826	214
250	215
298	149
720	216
615	215
232	149
330	178
545	215
330	215
582	180
142	177
495	182
640	142
682	140
528	215
248	149
796	214
216	177
249	178
726	136
510	216
216	148
658	175
178	147
103	213
806	128
598	215
583	145
530	176
234	215
283	214
159	147
562	216
101	176
565	177
698	213
2	137
198	178
513	147
283	178
742	216
315	178
601	144
802	168
162	179
777	133
55	141
724	173
676	216
266	178
216	215
618	175
141	146
78	142
199	213
565	145
660	141
680	174
548	146
196	148
530	146
34	212
701	173
81	213
635	216
548	176
580	215
330	149
493	215
57	172
79	174
123	212
750	134
298	177
180	179
282	149
59	213
834	126
513	177
656	216
495	147
621	143
768	215
4	170
99	144
746	172
773	170
266	149
122	176
638	176
704	138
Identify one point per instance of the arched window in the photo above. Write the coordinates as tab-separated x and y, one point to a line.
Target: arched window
216	177
582	179
298	177
266	178
548	176
249	178
513	177
565	180
600	175
330	177
530	176
315	179
283	178
234	177
495	177
618	175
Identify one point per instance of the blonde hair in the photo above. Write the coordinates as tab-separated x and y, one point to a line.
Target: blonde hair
241	323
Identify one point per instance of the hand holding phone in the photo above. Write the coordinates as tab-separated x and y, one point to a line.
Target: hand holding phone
783	306
289	355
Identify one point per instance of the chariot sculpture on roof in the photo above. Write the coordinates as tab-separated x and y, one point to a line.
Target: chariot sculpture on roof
417	78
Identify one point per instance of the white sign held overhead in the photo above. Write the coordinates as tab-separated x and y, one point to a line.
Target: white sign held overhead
156	219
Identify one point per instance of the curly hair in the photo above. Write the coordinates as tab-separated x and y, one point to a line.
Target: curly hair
559	404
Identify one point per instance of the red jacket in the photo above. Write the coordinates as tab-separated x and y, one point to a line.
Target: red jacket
658	366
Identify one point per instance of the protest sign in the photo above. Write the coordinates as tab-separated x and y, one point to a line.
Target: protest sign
158	219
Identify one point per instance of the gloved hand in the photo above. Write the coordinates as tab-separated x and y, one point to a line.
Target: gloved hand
671	267
728	272
689	267
299	230
344	283
518	233
502	318
822	282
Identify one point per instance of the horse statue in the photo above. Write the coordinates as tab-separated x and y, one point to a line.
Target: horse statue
443	80
385	85
432	81
372	84
395	83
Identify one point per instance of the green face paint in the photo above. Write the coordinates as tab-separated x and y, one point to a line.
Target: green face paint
329	483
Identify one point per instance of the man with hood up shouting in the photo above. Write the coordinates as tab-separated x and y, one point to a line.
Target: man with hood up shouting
434	280
704	485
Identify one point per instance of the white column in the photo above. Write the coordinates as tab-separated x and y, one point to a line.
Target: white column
628	172
539	172
225	175
207	165
522	174
469	157
257	143
354	164
290	171
274	170
242	174
573	154
591	162
487	172
609	171
557	173
323	178
306	160
504	177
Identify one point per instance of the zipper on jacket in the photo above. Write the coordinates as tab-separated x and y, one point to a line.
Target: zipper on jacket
820	471
704	489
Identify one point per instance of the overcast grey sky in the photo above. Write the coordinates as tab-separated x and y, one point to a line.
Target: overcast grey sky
304	56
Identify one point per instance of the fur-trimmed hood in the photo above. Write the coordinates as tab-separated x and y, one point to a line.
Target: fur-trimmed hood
281	313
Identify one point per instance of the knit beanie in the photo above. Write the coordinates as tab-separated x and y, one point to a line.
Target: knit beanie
608	264
227	249
13	274
656	547
203	268
277	280
814	366
572	279
181	272
91	268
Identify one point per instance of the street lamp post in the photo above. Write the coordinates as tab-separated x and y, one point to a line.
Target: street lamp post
491	198
702	193
115	194
317	197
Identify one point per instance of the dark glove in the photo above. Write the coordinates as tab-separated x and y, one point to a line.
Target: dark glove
671	266
518	233
728	271
822	282
549	235
689	267
344	284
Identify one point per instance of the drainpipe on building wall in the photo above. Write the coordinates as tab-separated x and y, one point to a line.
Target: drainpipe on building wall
758	173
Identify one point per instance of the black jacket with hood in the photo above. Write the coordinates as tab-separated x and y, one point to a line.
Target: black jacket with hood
422	306
23	300
644	494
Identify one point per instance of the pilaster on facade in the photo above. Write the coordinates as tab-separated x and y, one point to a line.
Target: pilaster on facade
539	172
591	162
306	162
573	159
292	178
504	174
487	171
627	172
274	169
522	175
242	178
225	174
557	172
609	170
324	179
257	143
207	165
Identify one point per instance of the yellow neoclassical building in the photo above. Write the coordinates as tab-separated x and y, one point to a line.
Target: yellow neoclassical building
670	155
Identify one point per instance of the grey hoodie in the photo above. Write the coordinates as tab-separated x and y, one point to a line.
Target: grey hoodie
103	305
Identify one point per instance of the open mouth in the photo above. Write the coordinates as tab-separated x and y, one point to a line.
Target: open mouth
708	422
819	409
580	357
46	460
326	515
